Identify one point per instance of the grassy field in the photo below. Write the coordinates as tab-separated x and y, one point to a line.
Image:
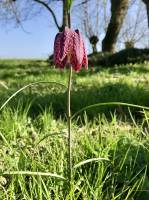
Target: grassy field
33	132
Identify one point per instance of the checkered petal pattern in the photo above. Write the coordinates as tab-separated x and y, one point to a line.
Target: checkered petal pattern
69	48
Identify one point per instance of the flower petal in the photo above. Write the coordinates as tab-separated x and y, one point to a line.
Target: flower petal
67	42
69	48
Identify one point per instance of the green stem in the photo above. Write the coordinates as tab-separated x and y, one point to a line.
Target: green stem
69	128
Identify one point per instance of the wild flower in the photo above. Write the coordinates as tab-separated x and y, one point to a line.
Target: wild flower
69	49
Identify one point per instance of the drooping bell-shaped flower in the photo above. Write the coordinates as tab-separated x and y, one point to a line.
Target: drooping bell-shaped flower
69	48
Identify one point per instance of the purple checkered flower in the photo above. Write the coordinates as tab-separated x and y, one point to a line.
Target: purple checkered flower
69	48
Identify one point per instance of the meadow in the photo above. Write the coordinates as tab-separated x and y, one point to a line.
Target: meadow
33	132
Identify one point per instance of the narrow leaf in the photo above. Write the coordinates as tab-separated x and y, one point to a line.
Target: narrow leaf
3	85
49	135
90	160
108	104
33	174
26	86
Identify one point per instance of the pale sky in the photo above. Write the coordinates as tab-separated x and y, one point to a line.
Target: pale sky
35	41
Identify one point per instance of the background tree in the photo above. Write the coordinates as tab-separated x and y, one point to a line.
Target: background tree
97	22
118	12
92	16
22	10
91	30
134	32
147	8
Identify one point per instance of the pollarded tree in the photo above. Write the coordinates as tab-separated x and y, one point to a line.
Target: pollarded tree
134	31
91	12
92	16
118	12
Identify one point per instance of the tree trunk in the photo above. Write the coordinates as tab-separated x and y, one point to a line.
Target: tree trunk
94	47
147	8
94	40
118	12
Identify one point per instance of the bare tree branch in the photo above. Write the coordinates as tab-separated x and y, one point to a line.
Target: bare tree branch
50	10
82	3
134	31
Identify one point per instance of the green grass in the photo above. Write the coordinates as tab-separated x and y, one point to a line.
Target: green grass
33	133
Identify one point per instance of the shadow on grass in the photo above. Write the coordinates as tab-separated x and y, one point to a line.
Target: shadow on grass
82	97
25	71
126	70
142	69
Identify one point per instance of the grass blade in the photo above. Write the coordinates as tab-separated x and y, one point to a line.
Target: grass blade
26	86
49	135
54	175
90	160
109	104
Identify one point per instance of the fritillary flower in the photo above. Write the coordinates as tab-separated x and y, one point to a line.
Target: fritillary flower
69	48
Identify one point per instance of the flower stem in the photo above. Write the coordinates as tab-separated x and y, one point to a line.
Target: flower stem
69	128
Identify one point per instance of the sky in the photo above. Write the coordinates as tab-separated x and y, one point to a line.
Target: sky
34	40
